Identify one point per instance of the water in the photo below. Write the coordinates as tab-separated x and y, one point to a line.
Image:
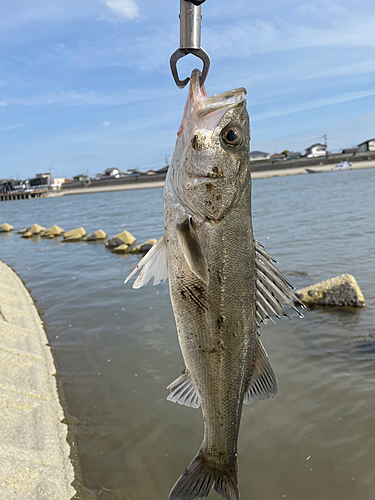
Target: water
116	348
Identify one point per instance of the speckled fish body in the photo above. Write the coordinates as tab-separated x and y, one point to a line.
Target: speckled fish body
209	185
222	283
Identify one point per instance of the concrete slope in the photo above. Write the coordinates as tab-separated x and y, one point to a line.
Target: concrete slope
34	453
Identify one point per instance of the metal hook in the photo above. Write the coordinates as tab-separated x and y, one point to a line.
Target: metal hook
201	54
190	40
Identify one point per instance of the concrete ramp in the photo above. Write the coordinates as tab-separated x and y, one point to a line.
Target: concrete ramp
34	453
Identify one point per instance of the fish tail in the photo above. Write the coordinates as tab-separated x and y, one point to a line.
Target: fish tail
201	476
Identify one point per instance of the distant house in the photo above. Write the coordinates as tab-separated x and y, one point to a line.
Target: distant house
259	156
277	157
44	176
316	150
163	170
293	156
80	177
367	145
7	185
36	182
57	182
112	172
350	151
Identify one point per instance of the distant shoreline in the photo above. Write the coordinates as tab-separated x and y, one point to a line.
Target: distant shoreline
104	189
302	170
158	184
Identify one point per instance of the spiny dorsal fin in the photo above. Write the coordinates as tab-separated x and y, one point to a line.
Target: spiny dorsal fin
191	249
263	383
154	264
183	391
272	288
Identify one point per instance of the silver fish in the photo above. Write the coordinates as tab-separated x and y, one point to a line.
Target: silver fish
222	282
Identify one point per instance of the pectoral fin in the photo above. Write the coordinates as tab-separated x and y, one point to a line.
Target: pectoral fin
154	264
263	383
183	392
191	249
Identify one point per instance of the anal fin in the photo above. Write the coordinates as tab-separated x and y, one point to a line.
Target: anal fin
183	392
263	383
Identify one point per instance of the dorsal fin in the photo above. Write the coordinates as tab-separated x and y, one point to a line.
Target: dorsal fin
183	391
154	264
263	383
272	288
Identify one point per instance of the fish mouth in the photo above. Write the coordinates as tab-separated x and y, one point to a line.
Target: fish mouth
203	112
205	105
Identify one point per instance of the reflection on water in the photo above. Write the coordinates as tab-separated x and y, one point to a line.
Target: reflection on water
117	350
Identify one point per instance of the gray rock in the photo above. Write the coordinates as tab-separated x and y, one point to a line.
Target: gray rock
340	291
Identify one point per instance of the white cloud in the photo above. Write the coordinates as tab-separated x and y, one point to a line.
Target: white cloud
105	124
357	68
318	103
125	9
10	127
2	82
91	98
2	104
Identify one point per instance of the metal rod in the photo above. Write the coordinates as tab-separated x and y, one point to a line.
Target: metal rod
190	25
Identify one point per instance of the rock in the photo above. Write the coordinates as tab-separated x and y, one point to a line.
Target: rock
5	228
22	231
34	230
75	235
121	248
340	291
120	239
98	235
144	247
52	232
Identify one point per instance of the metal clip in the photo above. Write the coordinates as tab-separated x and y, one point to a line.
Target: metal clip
190	41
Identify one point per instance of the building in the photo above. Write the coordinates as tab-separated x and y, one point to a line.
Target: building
367	145
350	151
7	185
277	157
293	156
57	182
36	182
316	150
112	172
163	170
81	177
259	156
44	176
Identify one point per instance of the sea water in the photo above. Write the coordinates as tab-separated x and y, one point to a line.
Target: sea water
116	348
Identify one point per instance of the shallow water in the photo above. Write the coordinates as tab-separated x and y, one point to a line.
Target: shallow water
116	348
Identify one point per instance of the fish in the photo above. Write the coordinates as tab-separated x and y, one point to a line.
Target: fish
222	282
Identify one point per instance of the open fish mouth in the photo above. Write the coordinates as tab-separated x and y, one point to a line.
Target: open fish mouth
205	105
203	112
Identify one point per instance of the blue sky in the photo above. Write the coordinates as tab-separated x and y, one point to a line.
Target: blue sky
86	85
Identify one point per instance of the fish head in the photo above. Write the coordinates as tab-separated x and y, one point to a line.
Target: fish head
210	165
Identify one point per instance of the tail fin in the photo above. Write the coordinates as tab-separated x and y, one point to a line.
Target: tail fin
201	476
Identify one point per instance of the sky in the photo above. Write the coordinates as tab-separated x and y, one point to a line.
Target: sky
85	85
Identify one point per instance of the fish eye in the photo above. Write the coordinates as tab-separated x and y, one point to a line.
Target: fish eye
232	136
